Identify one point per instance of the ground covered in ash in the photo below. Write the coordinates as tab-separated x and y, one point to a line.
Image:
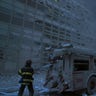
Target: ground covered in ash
9	85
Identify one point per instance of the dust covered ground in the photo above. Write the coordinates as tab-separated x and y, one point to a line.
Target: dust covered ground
9	86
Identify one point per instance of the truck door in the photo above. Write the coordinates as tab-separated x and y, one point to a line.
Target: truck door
80	70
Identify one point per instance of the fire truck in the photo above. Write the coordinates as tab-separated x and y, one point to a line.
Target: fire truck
72	68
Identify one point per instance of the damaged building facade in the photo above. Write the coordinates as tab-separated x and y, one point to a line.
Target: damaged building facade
28	26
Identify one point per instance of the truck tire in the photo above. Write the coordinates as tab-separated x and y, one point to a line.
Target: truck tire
91	85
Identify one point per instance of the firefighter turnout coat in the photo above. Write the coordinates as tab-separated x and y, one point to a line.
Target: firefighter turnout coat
26	74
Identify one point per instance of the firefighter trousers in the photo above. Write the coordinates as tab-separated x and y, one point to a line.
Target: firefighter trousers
30	88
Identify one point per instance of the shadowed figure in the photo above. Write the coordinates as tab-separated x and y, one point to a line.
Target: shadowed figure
26	74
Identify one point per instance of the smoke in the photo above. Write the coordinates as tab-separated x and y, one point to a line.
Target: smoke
91	6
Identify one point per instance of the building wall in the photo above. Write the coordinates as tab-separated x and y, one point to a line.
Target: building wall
27	26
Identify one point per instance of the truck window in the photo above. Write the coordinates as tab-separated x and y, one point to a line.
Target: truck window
1	54
63	63
95	62
81	65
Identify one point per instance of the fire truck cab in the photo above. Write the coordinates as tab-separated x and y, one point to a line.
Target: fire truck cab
74	69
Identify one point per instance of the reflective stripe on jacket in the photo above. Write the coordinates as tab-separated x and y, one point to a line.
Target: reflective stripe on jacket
27	75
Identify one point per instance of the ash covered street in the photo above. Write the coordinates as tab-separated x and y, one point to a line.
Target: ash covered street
9	85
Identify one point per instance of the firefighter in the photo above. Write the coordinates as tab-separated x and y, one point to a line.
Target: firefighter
26	74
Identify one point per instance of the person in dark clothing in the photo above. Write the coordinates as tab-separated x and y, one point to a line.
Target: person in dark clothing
26	74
